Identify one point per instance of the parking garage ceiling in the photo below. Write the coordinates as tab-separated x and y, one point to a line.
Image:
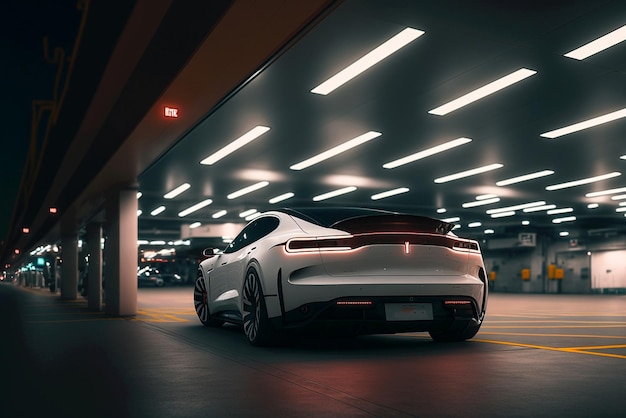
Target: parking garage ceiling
390	111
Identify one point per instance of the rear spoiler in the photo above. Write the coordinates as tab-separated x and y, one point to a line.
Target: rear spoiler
393	223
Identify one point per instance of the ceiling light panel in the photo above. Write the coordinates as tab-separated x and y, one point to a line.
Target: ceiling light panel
248	189
219	214
565	219
334	193
484	91
195	207
618	197
502	214
481	202
246	138
598	45
361	139
525	177
486	196
606	192
583	181
427	152
468	173
590	123
559	211
539	208
180	189
158	210
451	220
247	213
367	61
516	207
281	197
390	193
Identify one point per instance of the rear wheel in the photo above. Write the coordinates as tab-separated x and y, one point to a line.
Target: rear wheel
201	303
256	325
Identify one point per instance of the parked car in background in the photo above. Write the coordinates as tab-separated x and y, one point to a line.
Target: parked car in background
150	276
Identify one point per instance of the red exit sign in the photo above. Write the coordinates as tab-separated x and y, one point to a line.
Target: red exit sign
170	112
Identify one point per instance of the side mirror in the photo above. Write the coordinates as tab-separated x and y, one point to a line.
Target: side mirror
208	252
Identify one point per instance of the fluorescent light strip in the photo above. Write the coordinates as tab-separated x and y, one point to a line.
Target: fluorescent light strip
390	193
158	210
623	157
583	181
525	177
139	212
622	203
177	191
525	223
368	60
195	207
592	205
246	138
516	207
539	208
474	224
618	197
252	216
620	209
600	44
451	220
468	173
559	211
486	196
502	214
484	91
139	194
480	202
361	139
247	213
248	189
566	219
605	192
427	152
442	210
195	225
334	193
590	123
219	214
489	231
282	197
563	233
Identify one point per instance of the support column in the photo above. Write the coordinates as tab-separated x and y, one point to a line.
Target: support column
69	268
94	273
120	254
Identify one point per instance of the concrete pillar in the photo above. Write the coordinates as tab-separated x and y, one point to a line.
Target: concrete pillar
120	254
69	268
94	272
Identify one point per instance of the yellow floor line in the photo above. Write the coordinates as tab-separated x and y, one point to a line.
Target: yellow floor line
543	347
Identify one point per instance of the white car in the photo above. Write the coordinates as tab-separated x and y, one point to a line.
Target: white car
348	271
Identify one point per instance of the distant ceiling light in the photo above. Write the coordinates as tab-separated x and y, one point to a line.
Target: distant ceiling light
172	194
592	205
618	197
26	230
195	225
334	193
451	220
390	193
468	173
139	194
195	207
248	189
426	153
559	211
16	251
139	212
246	138
539	208
368	60
486	196
525	177
489	231
484	91
600	44
621	209
585	124
53	210
605	192
143	242
474	224
622	203
583	181
566	219
247	213
441	210
457	226
516	207
282	197
361	139
623	157
525	223
481	202
252	216
157	242
158	210
219	214
563	233
502	214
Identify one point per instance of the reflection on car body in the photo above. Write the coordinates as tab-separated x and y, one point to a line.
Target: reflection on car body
346	271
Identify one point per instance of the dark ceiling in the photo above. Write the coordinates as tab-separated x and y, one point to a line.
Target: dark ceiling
466	45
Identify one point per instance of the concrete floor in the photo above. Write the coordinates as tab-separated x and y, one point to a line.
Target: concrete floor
535	356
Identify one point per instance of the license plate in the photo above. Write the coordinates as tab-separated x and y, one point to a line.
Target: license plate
408	311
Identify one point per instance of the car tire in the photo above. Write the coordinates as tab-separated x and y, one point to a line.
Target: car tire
455	333
201	303
256	325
